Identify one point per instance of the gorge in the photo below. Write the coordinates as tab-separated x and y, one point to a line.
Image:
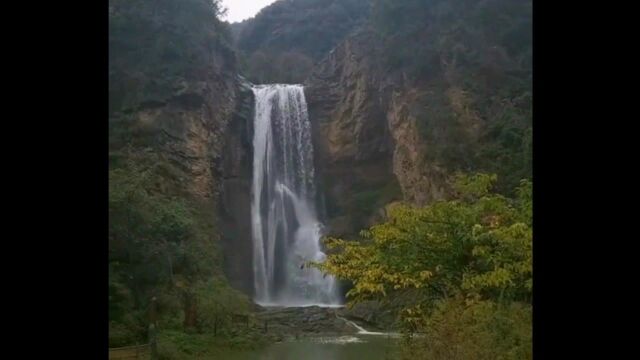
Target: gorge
235	150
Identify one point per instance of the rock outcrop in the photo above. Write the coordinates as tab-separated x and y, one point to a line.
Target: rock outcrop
368	148
303	321
420	181
176	103
160	103
399	107
235	202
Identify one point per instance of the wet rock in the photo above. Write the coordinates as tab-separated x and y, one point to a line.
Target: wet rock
303	321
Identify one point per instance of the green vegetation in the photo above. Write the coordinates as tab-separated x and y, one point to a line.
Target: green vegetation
472	61
372	198
458	273
164	247
154	45
465	33
284	40
163	240
176	345
458	329
265	66
467	263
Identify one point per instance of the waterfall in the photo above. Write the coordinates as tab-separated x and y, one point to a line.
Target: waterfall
285	226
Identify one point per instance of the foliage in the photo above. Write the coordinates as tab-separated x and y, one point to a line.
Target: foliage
284	39
264	66
476	249
477	244
177	345
147	229
472	61
310	26
218	301
480	330
155	44
160	245
446	33
370	198
125	334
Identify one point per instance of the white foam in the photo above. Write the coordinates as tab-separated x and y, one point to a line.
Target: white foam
363	331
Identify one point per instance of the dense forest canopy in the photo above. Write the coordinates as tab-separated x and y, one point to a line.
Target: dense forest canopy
283	41
312	27
153	44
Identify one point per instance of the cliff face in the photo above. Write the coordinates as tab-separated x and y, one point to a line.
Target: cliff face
369	149
178	144
398	108
235	203
161	102
420	181
351	137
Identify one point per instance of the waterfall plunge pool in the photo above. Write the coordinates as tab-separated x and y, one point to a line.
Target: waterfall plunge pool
346	347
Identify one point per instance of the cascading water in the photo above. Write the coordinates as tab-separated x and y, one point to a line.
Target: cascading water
286	229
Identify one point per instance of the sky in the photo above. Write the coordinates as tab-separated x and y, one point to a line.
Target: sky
238	10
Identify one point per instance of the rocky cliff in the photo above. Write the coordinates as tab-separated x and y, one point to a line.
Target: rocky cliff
353	144
366	135
160	101
235	202
179	146
399	107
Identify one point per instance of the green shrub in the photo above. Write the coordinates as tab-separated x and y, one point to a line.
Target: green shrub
467	263
123	334
480	330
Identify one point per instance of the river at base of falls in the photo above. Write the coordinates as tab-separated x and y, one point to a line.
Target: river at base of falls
317	333
347	347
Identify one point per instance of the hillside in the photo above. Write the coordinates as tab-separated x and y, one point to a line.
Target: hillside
173	91
403	105
284	40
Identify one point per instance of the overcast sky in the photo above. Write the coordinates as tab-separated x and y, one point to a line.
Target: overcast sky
238	10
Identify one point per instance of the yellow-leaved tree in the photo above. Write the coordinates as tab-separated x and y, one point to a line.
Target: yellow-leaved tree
470	255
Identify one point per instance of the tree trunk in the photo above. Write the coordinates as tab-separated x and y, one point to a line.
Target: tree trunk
153	312
190	313
153	342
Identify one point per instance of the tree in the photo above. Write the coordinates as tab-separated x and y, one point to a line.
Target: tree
478	244
467	263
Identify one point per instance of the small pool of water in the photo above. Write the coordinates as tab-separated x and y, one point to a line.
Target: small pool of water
347	347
